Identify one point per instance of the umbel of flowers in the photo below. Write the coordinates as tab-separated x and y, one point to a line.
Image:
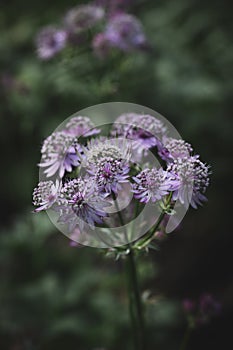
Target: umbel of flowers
101	26
85	173
91	171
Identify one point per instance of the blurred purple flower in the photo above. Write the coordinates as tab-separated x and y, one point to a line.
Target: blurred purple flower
59	154
126	33
45	195
81	126
208	305
50	41
194	180
114	6
153	184
101	45
83	17
81	203
189	305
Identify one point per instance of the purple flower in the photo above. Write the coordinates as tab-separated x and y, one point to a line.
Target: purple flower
171	149
81	126
109	174
50	41
143	129
102	148
153	184
83	17
125	32
194	180
81	203
189	305
45	195
101	45
59	154
208	305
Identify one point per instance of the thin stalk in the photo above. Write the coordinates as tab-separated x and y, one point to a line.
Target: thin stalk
135	303
185	339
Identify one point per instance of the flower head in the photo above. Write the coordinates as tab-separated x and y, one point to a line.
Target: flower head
143	129
81	203
59	154
153	184
194	180
109	174
50	41
171	149
125	32
102	148
101	45
83	17
45	195
81	126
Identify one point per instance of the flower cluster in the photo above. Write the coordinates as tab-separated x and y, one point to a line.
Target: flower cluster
111	25
92	171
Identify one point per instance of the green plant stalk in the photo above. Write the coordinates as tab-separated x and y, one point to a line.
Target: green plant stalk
186	338
135	303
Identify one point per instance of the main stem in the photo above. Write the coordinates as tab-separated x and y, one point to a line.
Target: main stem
135	303
185	339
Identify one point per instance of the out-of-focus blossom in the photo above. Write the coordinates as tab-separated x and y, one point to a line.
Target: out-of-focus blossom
59	154
209	306
83	17
101	45
153	184
45	195
201	311
50	41
81	126
188	305
126	33
194	180
81	204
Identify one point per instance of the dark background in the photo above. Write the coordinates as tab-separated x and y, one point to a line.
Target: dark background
53	296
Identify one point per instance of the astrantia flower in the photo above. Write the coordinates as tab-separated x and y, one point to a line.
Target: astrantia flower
81	126
81	203
102	148
50	41
125	32
59	154
101	45
171	149
83	17
45	195
109	174
153	184
143	129
194	180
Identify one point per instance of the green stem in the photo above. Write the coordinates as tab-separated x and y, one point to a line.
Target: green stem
135	303
186	338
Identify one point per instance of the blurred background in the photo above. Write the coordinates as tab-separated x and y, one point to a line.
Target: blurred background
53	296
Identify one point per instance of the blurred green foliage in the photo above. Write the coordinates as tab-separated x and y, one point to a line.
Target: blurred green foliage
53	296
